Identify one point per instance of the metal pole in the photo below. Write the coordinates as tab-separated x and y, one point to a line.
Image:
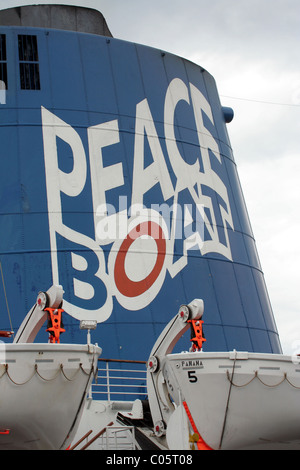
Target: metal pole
96	437
80	440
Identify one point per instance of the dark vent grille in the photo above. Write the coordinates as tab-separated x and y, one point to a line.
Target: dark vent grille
29	66
28	51
30	76
2	47
3	63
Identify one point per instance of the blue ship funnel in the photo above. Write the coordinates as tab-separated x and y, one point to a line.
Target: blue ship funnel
118	182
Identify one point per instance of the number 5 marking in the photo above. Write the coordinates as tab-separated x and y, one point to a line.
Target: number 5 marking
192	377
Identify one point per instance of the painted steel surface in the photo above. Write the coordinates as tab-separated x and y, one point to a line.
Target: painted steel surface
117	134
241	399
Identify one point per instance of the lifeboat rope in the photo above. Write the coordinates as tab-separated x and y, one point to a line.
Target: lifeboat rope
256	376
71	380
228	400
23	383
36	372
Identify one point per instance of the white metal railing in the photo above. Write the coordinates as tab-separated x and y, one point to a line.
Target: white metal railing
120	380
109	438
118	438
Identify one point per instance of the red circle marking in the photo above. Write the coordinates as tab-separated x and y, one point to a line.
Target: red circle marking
125	285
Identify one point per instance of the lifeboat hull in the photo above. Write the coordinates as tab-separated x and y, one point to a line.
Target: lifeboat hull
238	400
42	393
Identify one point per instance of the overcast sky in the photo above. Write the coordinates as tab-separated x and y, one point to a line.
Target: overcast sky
252	48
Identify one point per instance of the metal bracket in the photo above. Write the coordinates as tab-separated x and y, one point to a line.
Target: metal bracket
160	404
36	317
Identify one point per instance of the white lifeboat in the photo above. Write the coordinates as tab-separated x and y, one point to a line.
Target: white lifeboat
43	386
221	400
